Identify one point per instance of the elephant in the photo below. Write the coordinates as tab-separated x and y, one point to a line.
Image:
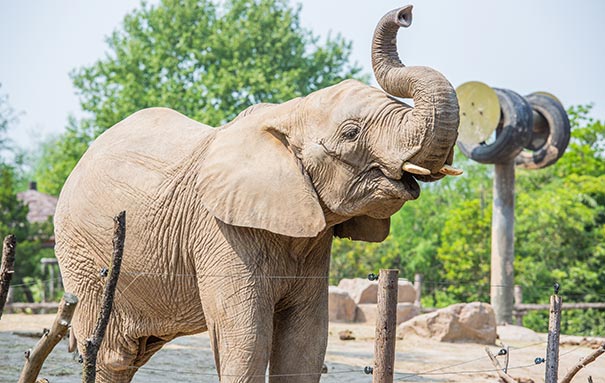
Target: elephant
229	229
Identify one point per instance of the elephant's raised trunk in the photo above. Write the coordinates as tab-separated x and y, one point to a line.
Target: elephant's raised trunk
436	111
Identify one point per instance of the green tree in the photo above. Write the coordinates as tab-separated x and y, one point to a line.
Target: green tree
13	220
586	152
59	155
7	117
13	214
561	228
465	252
206	59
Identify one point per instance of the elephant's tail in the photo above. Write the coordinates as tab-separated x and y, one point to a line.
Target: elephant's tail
72	340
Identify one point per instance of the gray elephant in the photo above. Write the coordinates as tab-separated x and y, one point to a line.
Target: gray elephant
229	229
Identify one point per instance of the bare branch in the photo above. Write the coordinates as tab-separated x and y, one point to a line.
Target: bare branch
7	269
35	359
583	363
93	344
507	378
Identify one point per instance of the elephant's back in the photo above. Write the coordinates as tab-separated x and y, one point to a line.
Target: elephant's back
155	136
134	166
136	156
147	144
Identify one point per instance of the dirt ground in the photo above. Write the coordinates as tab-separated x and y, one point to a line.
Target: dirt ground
189	359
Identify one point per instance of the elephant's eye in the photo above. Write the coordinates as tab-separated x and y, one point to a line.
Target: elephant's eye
350	132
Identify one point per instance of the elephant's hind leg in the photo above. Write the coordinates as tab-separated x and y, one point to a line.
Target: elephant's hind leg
105	375
121	364
117	356
148	346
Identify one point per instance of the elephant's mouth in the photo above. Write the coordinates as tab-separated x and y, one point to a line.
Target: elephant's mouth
405	188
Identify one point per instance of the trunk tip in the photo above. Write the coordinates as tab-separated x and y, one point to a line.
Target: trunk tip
404	16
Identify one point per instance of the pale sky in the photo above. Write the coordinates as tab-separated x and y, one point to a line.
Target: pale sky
524	45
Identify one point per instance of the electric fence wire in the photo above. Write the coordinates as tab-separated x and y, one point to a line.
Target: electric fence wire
434	370
463	372
215	374
406	376
431	372
32	283
477	282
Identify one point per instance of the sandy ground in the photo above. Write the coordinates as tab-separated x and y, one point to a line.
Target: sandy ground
189	359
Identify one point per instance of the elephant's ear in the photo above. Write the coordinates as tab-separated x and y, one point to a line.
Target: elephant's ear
249	177
364	228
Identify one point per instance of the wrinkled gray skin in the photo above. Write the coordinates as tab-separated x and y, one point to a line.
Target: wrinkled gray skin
220	220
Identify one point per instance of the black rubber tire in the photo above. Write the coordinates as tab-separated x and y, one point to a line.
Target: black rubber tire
512	134
559	131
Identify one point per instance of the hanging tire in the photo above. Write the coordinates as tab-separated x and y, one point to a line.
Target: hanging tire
550	133
512	134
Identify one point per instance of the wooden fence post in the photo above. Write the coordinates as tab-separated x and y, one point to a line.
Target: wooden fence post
35	359
7	268
91	349
386	326
554	329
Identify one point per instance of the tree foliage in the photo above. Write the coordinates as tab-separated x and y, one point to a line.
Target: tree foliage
206	59
13	213
59	155
7	117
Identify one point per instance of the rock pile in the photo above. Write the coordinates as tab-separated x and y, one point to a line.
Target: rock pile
355	300
463	322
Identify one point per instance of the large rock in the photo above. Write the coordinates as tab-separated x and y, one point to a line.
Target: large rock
472	322
514	333
367	312
364	291
360	289
341	306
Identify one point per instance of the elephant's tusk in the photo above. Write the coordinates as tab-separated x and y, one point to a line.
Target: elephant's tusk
415	169
449	170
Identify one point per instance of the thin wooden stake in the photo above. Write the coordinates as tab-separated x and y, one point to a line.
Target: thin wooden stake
583	363
386	327
35	359
503	375
89	368
554	330
7	269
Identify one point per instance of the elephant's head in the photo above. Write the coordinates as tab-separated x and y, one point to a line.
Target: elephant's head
347	156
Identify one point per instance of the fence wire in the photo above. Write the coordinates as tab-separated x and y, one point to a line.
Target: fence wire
478	286
399	375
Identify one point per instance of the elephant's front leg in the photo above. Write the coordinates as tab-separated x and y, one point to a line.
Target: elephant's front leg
300	337
239	315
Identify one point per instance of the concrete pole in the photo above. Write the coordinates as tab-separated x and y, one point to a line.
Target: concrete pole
503	242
